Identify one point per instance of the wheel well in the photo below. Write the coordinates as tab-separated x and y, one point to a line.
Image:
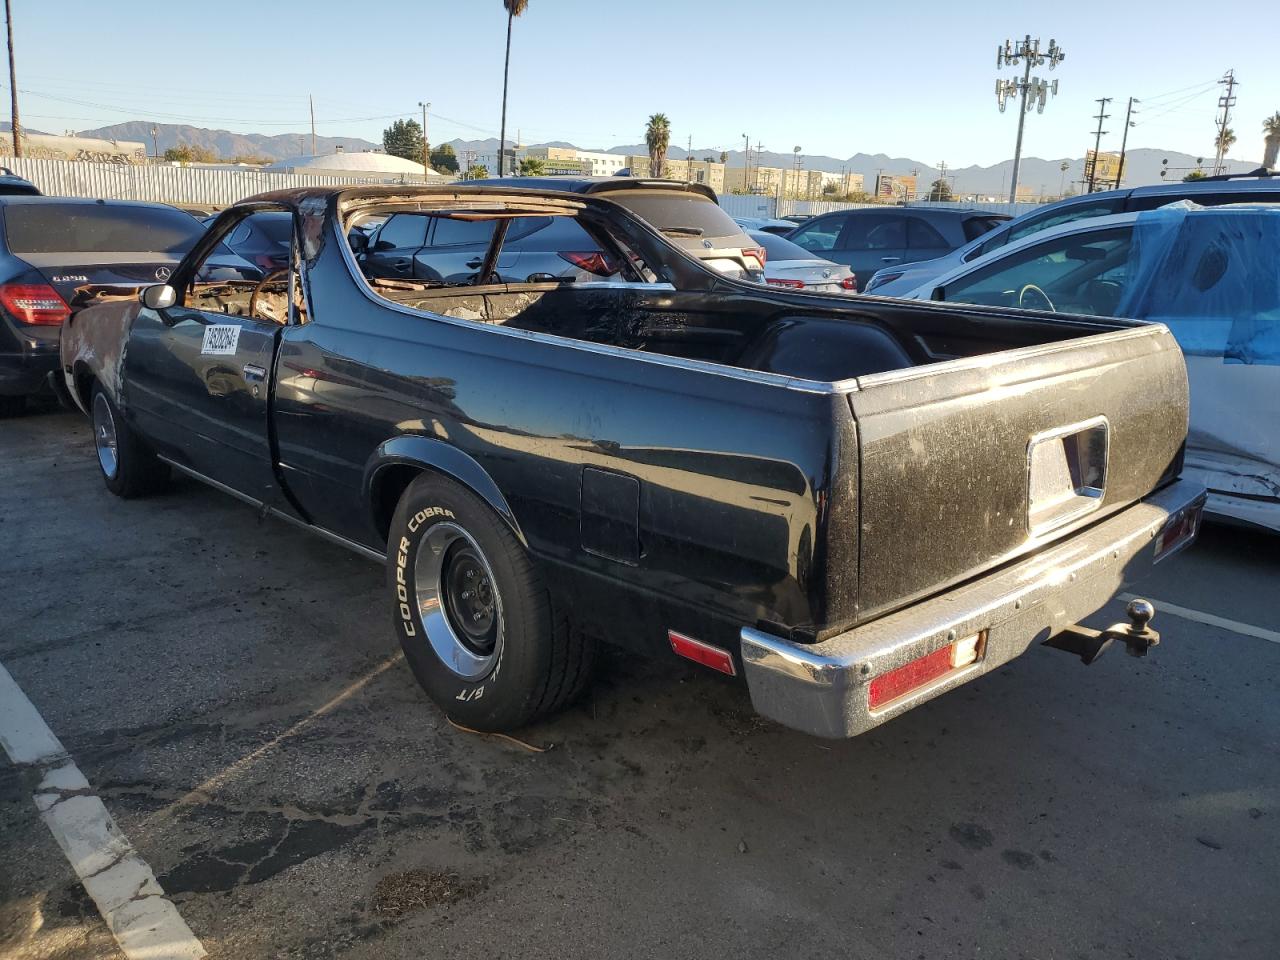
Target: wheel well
389	486
84	383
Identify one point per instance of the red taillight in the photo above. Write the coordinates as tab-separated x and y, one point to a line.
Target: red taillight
34	303
924	670
757	252
849	283
601	264
790	284
703	653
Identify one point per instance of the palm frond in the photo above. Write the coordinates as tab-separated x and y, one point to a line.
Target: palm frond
515	7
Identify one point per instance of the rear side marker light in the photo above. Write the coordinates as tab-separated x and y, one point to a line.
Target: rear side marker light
703	653
34	303
849	283
923	671
790	284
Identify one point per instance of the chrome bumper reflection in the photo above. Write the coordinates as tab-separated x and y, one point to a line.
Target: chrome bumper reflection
822	688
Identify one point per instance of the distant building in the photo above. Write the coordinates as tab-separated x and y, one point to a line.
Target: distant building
44	146
788	183
710	172
589	163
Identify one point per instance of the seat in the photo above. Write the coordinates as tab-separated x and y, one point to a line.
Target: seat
820	348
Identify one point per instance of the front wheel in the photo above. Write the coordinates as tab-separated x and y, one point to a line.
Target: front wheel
129	467
474	618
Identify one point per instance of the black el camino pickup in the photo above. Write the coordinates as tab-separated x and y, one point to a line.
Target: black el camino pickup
852	504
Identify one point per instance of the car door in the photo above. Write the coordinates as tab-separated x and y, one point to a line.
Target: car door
392	248
197	375
924	242
871	241
455	251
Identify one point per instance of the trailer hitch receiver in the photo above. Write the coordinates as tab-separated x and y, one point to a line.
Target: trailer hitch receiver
1137	635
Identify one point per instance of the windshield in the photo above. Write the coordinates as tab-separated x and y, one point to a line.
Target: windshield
776	248
688	214
99	228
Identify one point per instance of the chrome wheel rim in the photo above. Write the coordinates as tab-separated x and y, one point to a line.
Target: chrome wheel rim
104	436
458	601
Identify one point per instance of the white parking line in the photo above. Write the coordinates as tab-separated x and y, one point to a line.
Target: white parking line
1209	619
146	925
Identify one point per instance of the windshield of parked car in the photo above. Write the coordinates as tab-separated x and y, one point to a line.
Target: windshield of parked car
776	248
1077	273
688	214
98	228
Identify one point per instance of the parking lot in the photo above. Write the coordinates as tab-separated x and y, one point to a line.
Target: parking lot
232	691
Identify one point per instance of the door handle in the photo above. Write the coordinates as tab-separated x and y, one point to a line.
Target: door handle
401	264
254	372
890	259
475	264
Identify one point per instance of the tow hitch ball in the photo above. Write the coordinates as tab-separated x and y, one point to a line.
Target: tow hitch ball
1136	635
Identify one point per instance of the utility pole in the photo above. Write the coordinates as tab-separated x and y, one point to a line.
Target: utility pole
1033	90
15	126
688	161
795	183
1062	181
155	142
759	147
312	101
1097	140
1124	140
942	179
426	147
1225	103
746	163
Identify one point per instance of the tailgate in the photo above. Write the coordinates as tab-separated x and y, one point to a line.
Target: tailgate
969	464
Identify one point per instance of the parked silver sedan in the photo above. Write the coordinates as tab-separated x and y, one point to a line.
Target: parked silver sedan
787	265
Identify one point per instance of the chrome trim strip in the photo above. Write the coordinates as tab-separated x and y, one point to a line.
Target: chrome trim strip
324	534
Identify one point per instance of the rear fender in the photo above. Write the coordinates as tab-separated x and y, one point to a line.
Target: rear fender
427	453
92	349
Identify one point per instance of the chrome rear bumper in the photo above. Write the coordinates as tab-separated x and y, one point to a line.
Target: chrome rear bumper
822	688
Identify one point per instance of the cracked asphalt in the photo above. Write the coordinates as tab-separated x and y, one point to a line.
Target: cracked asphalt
232	691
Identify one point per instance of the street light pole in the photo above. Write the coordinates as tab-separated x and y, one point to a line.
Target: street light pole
746	163
15	126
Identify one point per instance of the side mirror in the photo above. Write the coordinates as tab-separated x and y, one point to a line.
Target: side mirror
158	296
939	293
359	241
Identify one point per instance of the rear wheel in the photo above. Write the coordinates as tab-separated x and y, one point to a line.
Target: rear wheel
129	467
474	618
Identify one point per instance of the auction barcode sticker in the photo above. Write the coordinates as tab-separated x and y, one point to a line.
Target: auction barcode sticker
220	339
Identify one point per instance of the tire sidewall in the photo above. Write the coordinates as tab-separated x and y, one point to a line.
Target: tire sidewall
117	484
505	695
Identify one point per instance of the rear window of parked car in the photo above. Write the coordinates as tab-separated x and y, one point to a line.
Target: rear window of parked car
669	209
776	248
95	228
975	227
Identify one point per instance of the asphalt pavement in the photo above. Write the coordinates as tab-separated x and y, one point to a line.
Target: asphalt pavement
232	691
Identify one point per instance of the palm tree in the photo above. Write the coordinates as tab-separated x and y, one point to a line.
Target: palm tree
1271	127
1224	140
657	135
514	8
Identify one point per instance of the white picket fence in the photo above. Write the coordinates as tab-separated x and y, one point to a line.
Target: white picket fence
206	186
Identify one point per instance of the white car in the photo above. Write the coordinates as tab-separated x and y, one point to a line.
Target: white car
787	265
1207	273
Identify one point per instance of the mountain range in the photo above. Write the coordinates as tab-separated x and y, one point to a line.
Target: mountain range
1045	176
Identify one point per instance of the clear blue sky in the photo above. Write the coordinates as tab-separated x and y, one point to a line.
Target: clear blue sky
834	77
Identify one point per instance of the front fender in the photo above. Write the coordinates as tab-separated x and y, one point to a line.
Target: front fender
432	454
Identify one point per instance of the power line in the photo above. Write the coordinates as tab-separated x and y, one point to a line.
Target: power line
1034	91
